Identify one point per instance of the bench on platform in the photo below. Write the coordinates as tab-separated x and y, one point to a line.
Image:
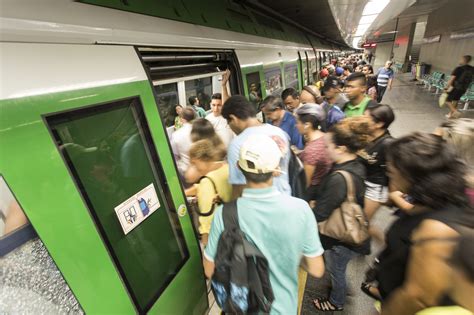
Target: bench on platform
468	97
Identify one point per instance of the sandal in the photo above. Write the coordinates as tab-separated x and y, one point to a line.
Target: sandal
322	304
368	288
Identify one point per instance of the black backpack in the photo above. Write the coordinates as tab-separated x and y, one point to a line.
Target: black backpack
241	282
296	176
462	83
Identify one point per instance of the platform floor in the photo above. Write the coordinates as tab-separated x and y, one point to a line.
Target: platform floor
415	110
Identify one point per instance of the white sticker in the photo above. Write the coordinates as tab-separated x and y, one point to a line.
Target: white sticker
182	210
137	208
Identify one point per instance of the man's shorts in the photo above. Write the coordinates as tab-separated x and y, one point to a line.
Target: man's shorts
376	192
455	95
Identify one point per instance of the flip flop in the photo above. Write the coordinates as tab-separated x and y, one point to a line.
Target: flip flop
322	304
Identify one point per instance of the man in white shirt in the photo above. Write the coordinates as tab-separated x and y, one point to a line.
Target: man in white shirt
219	122
181	140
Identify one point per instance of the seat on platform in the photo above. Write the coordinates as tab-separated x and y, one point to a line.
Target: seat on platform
468	96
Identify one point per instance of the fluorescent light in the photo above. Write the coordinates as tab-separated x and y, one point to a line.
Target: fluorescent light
355	41
371	11
367	19
375	7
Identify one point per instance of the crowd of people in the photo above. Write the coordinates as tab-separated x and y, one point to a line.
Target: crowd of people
339	131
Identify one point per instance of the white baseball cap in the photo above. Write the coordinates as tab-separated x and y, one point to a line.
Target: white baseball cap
260	154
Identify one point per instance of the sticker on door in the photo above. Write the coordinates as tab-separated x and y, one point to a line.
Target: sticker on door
137	208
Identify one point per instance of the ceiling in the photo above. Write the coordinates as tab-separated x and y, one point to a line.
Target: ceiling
317	16
314	15
416	13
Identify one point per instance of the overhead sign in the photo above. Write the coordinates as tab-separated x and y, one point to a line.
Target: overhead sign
432	39
369	45
137	208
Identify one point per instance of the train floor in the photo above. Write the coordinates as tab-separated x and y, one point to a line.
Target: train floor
416	109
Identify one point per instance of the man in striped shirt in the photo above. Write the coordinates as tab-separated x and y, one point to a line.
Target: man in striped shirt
384	80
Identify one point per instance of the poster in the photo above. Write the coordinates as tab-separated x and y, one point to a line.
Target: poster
137	208
291	76
273	82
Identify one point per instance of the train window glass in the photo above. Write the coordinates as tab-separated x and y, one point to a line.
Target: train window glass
273	82
110	153
254	87
312	69
26	267
305	71
167	99
291	76
200	88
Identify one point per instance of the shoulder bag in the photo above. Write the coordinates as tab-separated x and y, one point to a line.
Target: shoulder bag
348	223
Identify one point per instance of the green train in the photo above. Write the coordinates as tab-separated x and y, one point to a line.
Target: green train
87	92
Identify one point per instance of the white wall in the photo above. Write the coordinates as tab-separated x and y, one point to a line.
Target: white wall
403	42
382	54
444	56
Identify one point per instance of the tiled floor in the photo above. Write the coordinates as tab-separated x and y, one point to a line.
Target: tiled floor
415	110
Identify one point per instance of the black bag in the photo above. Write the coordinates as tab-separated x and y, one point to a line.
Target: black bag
241	282
296	176
462	83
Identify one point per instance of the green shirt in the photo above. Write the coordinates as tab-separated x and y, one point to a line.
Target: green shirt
357	110
201	113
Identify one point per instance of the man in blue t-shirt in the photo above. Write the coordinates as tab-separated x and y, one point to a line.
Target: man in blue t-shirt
384	80
241	117
275	114
282	227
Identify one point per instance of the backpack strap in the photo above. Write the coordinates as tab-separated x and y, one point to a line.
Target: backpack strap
350	185
229	215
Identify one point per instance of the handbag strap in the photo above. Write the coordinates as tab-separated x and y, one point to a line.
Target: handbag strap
212	182
350	185
213	206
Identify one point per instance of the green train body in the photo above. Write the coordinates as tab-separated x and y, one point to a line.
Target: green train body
85	107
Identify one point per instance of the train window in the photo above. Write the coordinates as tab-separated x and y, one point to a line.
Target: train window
312	69
26	267
113	161
273	82
167	99
291	76
200	88
254	88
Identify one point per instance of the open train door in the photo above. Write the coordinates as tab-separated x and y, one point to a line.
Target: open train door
85	154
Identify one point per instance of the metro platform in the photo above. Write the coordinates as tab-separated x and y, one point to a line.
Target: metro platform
416	109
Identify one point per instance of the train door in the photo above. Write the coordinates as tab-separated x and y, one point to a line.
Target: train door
89	163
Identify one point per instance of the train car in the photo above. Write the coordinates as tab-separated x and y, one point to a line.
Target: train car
86	94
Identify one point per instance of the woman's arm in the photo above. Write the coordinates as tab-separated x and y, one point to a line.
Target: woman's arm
309	171
428	275
397	198
333	194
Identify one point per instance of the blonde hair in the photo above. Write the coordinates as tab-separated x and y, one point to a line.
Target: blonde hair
205	150
354	132
459	133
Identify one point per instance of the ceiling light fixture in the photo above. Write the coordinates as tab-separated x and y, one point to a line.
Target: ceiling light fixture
370	13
